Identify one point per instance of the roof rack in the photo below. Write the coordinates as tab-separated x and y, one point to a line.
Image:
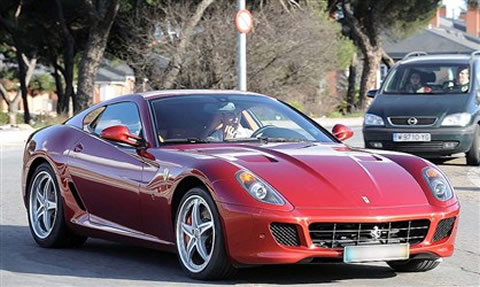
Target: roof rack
475	53
415	54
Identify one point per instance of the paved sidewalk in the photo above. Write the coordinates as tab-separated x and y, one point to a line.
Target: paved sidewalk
14	135
330	122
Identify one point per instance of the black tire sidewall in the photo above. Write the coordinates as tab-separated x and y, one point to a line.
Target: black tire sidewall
473	155
59	225
219	256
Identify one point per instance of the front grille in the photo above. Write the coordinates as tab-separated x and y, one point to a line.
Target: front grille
421	121
285	234
339	235
444	228
414	146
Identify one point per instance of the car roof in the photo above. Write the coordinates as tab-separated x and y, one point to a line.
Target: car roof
185	92
434	59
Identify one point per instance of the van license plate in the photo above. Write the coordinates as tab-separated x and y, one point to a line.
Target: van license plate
412	137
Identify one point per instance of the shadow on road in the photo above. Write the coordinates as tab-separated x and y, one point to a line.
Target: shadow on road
108	260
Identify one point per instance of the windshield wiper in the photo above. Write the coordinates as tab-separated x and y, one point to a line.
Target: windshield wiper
185	140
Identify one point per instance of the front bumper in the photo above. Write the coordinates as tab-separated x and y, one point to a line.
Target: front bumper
249	239
461	137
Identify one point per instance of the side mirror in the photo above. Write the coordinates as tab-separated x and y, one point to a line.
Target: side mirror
121	134
372	93
342	132
478	97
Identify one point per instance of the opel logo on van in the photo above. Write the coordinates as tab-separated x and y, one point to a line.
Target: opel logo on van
412	121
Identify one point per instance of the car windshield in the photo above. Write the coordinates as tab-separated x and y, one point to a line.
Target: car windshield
231	118
428	79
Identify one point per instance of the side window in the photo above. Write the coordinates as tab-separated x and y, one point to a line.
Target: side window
90	119
120	114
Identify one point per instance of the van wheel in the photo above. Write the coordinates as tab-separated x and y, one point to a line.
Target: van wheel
473	155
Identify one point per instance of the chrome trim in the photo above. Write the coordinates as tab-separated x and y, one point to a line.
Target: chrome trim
411	126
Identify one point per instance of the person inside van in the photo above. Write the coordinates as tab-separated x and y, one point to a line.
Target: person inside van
415	84
462	80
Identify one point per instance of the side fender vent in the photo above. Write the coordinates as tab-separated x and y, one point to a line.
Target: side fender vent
78	200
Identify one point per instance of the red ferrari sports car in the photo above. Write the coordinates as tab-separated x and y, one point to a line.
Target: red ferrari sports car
229	179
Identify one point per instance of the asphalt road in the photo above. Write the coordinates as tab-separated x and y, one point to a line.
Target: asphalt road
102	263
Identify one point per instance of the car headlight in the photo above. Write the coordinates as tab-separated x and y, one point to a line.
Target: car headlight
438	184
460	119
373	120
258	189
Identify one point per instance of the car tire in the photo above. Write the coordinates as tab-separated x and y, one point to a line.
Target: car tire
201	250
473	155
45	211
413	265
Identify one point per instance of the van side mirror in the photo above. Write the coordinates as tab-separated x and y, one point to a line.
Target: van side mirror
372	93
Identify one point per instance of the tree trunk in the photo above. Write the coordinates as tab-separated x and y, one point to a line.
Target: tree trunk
88	69
59	87
12	105
13	109
68	59
96	44
25	77
175	64
352	81
371	63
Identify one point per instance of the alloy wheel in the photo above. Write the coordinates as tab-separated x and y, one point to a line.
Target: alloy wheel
195	230
43	205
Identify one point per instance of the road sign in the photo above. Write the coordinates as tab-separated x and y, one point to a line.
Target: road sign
244	21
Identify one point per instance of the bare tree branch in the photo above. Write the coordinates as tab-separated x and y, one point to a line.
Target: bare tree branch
176	62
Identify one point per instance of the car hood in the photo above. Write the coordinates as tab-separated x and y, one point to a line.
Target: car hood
419	105
314	175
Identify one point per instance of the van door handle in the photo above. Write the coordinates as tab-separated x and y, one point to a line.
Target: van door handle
78	148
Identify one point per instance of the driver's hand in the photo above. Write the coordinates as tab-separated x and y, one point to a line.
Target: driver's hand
230	132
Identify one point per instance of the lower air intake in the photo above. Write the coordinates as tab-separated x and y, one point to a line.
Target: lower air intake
444	229
285	234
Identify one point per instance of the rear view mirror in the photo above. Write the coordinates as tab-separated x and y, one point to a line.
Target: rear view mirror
342	132
121	134
372	93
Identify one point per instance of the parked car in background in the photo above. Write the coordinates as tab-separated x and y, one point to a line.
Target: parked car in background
429	106
229	179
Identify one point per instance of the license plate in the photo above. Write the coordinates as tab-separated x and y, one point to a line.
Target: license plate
412	137
356	254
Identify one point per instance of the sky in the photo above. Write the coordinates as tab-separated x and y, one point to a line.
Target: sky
454	7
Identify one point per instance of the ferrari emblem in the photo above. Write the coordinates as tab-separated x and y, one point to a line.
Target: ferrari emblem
376	233
366	200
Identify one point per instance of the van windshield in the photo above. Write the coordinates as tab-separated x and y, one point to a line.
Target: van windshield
429	79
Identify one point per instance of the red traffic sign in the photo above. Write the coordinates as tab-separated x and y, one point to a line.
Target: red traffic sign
244	21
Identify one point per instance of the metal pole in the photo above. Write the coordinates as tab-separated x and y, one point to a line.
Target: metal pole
241	54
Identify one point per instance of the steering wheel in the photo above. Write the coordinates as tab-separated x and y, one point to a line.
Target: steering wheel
262	130
448	85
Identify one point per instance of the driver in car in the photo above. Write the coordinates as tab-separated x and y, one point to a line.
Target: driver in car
229	128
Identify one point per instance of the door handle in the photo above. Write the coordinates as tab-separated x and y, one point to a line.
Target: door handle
78	148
